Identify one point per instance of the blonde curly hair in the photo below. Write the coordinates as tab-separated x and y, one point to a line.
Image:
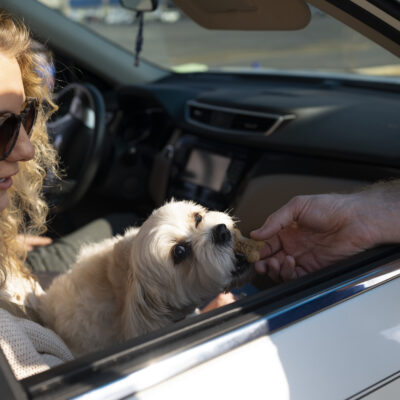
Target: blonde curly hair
27	210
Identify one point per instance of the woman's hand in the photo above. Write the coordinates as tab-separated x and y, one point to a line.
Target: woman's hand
32	241
221	300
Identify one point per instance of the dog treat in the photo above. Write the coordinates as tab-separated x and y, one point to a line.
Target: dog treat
248	247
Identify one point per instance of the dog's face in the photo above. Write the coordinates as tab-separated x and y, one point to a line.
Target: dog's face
185	252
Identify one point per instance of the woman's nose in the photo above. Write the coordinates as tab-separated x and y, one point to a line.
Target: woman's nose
23	149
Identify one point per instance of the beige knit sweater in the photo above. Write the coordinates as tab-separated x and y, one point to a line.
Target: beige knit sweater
29	347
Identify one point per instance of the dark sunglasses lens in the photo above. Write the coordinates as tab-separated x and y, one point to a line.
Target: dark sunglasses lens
28	117
9	130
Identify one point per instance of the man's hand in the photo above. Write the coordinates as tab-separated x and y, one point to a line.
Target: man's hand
312	232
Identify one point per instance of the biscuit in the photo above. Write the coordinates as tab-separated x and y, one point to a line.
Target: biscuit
248	247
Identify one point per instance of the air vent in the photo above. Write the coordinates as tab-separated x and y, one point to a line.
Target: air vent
233	120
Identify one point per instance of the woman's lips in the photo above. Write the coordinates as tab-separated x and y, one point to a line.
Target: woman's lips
5	183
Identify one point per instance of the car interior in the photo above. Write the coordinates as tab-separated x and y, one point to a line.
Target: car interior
237	141
242	142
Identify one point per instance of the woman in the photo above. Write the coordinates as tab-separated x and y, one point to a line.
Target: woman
25	156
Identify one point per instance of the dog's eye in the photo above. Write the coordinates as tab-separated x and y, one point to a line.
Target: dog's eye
198	218
180	252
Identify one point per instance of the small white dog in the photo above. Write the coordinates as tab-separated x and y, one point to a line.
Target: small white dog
182	256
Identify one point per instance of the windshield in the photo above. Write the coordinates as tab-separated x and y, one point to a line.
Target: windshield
173	41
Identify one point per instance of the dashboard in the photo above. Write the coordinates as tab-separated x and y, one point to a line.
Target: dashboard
236	141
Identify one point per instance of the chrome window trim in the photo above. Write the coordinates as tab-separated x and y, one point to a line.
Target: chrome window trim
280	118
170	366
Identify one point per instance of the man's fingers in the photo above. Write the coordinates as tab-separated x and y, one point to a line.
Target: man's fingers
279	267
300	271
270	267
271	247
261	267
282	267
273	269
288	271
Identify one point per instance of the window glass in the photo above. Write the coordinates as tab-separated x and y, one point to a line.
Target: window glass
173	41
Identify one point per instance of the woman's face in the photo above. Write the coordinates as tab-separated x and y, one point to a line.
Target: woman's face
12	97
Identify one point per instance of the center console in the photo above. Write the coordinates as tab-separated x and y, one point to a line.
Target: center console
207	172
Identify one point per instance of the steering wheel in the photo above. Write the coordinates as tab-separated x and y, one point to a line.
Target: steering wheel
78	134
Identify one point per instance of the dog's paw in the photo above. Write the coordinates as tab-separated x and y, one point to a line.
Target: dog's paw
248	247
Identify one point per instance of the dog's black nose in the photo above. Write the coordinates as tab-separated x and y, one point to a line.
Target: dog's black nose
221	234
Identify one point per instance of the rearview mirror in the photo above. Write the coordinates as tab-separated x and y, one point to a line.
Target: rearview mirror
139	5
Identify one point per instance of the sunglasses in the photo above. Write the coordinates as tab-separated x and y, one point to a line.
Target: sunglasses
10	125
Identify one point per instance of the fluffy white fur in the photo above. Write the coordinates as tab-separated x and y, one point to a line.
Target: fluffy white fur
130	285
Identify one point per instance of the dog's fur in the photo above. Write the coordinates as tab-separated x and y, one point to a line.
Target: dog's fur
132	284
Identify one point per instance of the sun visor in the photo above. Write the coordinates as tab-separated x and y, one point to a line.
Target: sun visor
247	14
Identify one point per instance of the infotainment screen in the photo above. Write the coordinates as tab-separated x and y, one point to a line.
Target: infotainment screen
206	169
